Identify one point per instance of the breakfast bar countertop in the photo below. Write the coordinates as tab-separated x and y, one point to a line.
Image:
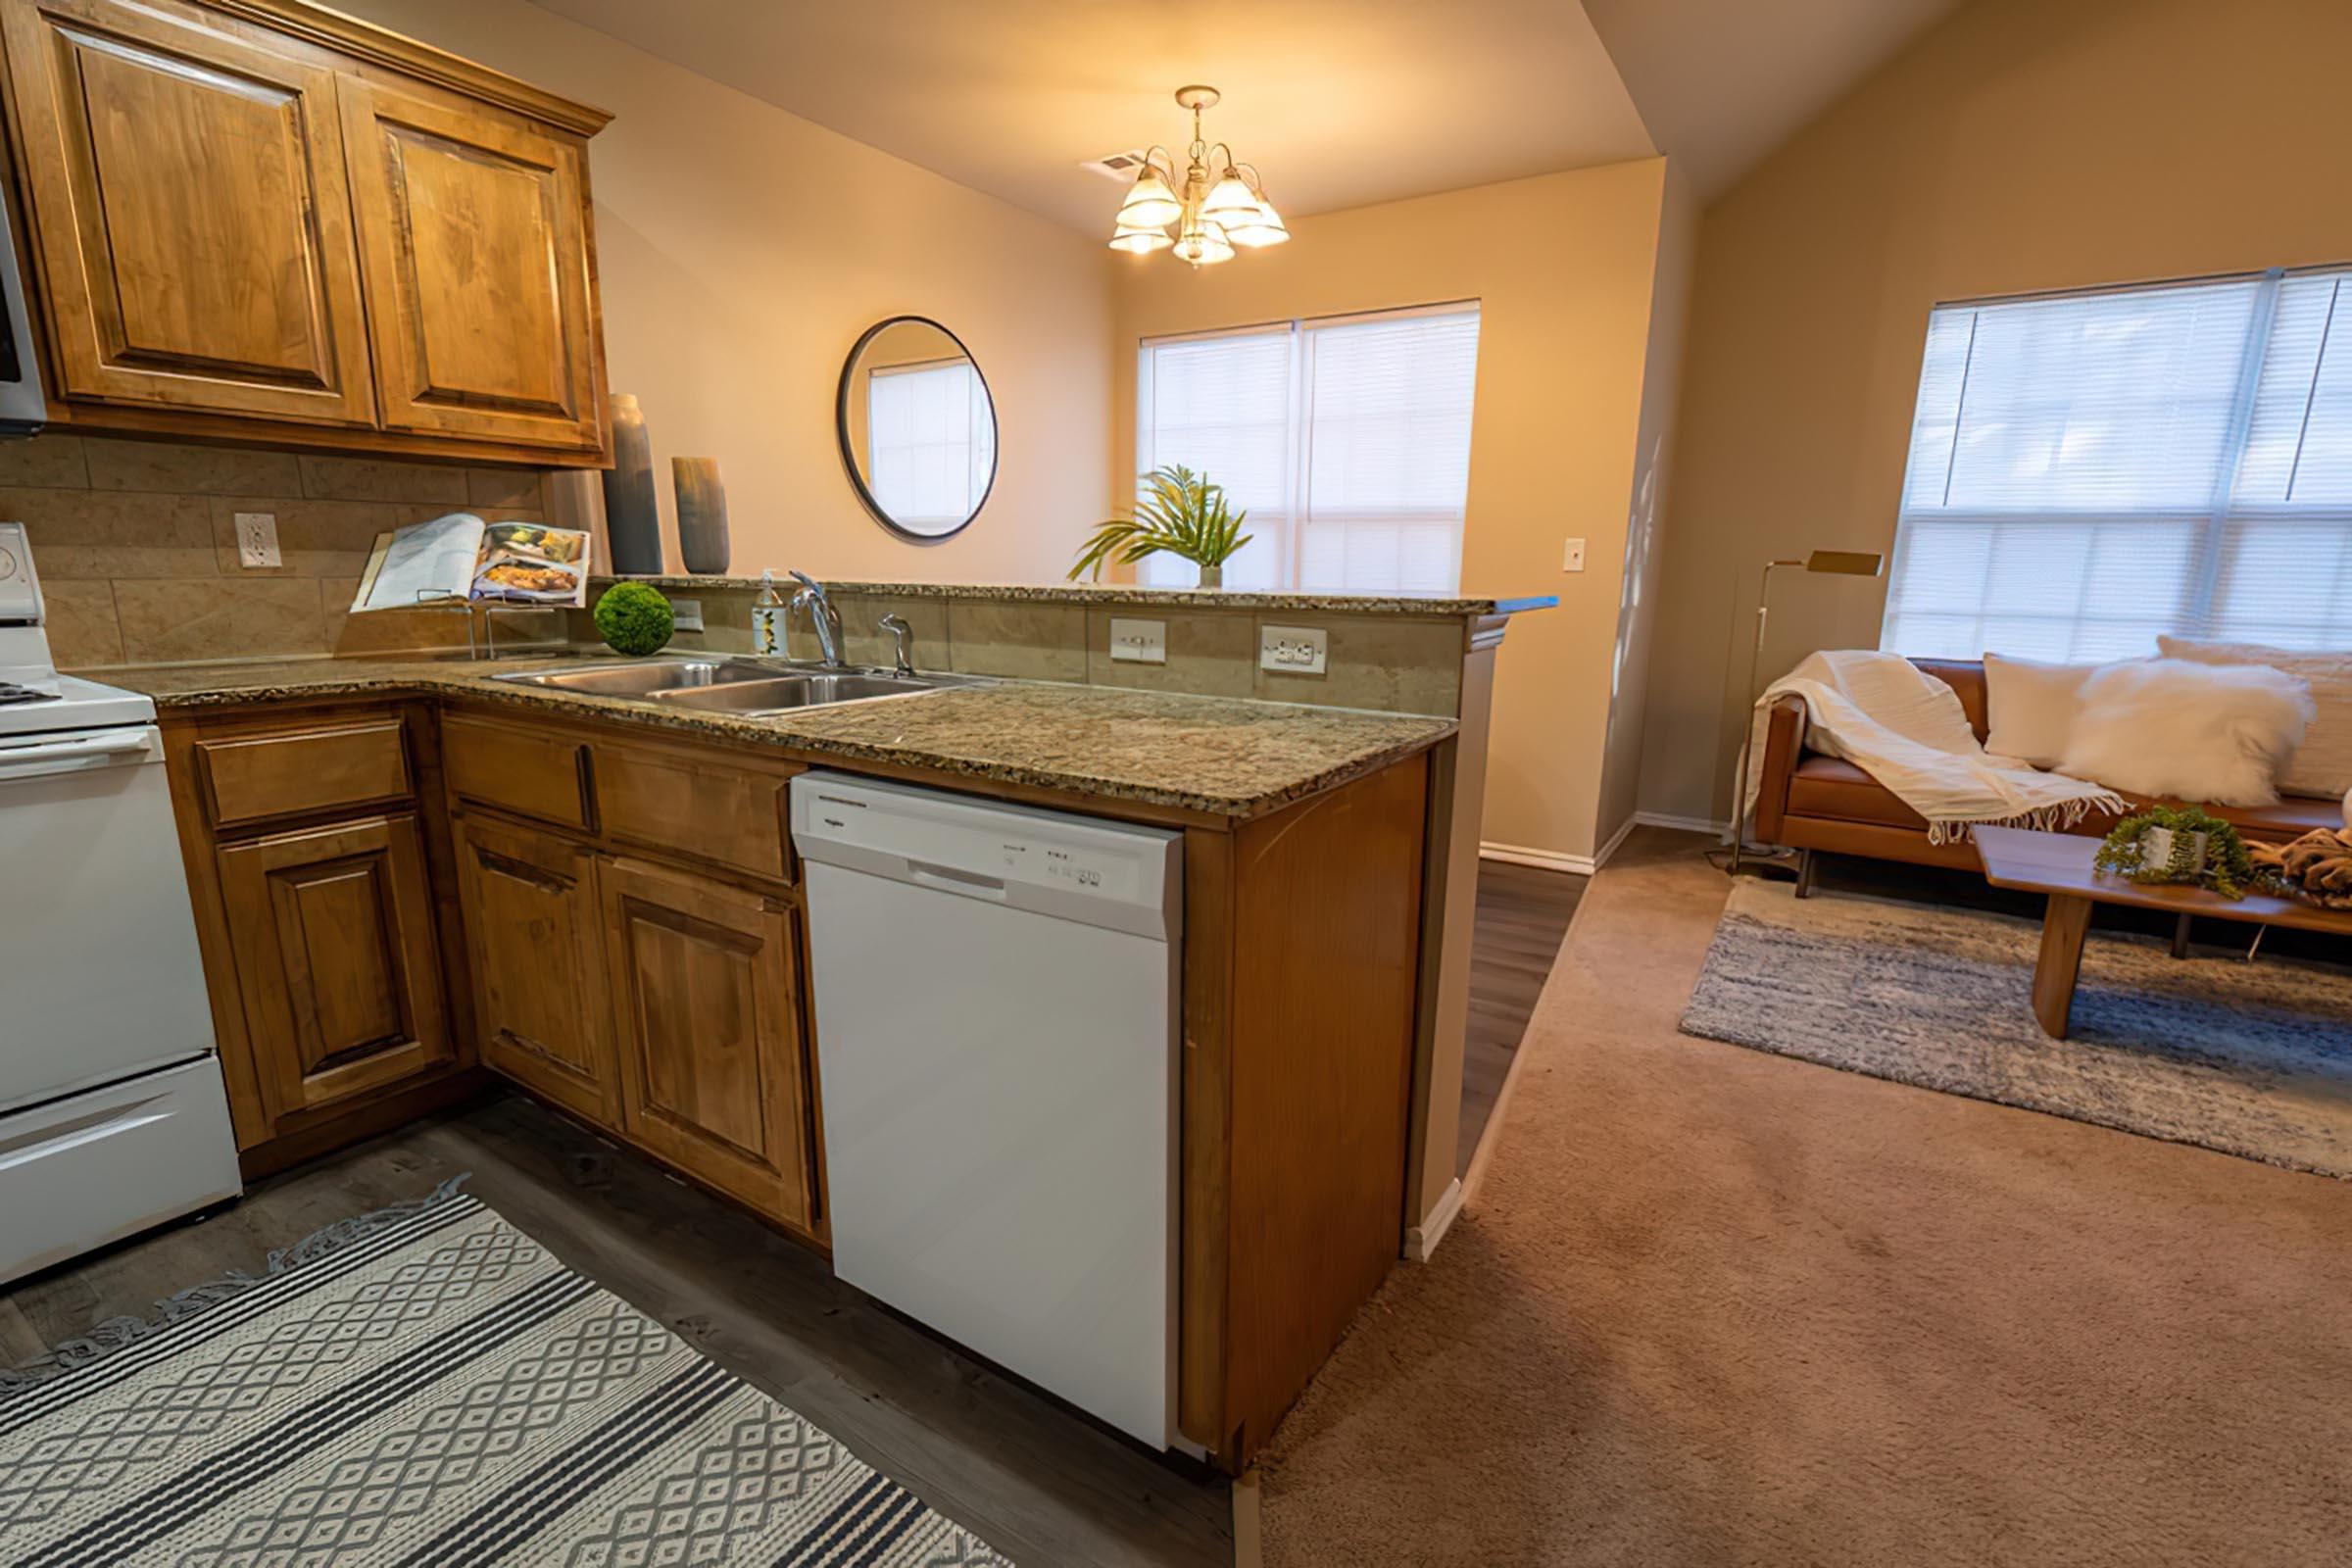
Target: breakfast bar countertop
1226	757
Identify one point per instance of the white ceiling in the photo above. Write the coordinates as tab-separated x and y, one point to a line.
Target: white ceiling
1340	103
1722	83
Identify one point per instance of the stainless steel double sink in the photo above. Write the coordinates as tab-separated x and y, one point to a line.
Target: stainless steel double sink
749	687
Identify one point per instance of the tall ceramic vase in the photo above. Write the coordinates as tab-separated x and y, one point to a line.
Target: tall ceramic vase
632	518
701	516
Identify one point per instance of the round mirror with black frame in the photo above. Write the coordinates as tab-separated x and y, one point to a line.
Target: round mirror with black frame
917	427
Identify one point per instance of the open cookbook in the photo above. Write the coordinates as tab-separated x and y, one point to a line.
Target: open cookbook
461	558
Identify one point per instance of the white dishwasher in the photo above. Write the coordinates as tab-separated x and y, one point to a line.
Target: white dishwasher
996	1008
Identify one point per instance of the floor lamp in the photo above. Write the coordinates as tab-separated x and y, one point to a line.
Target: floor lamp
1831	562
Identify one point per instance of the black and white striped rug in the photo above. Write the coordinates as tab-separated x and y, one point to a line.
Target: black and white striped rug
432	1392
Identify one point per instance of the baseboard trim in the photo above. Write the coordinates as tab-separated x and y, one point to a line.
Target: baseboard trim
1684	824
1421	1240
1249	1533
1541	860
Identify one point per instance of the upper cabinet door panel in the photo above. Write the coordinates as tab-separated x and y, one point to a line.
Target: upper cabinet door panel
474	243
191	214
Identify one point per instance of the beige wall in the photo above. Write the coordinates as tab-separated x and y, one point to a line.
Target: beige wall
2021	145
742	252
1653	458
1564	266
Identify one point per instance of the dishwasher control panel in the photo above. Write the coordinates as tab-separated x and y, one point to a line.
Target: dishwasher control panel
985	849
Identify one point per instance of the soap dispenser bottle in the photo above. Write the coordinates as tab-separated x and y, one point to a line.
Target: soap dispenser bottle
768	612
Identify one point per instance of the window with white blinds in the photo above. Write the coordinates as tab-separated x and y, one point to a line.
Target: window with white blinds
2090	470
1346	439
930	442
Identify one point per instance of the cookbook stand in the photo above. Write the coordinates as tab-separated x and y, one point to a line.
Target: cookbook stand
481	633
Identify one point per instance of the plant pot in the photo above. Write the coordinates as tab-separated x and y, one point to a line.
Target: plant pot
2156	845
1212	576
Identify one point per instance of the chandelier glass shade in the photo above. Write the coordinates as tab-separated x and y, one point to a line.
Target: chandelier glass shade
1214	203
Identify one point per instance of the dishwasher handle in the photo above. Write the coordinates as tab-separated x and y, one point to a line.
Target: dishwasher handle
973	884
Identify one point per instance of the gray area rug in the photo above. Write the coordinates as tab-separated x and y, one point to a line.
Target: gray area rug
433	1392
2252	1059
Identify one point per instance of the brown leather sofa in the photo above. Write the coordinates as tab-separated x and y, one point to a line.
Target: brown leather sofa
1810	802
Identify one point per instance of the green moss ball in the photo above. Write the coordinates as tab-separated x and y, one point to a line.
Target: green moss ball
634	619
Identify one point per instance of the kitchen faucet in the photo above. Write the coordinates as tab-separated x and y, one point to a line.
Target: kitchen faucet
904	636
823	616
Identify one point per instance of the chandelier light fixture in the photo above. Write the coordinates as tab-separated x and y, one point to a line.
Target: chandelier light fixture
1215	202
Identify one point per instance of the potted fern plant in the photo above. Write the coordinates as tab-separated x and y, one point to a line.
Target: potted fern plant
2182	843
1181	514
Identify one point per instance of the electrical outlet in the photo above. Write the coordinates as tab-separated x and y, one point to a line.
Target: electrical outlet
256	539
1573	558
686	615
1139	642
1291	650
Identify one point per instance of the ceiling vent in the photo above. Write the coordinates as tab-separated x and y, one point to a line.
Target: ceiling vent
1120	166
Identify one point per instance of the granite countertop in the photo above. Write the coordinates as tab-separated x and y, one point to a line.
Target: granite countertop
1090	593
1228	757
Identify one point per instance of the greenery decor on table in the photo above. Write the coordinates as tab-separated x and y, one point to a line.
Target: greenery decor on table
1181	514
2228	868
634	619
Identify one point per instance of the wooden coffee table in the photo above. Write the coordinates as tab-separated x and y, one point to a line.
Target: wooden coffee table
2060	865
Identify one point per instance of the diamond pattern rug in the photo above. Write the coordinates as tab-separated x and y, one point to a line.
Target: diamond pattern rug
432	1392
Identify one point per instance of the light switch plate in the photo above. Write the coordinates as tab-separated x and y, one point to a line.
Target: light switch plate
1571	559
256	539
686	615
1139	642
1291	650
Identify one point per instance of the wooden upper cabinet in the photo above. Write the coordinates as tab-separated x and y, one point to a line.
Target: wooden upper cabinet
262	221
473	250
190	211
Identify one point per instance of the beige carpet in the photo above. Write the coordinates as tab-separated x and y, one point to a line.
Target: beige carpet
1713	1306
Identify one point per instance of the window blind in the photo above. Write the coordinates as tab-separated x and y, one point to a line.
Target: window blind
930	442
1347	440
2087	471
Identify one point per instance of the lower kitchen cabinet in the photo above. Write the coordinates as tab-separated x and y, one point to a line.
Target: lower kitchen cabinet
535	939
337	963
708	1023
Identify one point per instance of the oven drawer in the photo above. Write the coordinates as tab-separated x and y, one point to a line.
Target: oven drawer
94	1167
252	778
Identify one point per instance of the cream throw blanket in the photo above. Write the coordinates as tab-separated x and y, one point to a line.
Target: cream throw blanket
1907	731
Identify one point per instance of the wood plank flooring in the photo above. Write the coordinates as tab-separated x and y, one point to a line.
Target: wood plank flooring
1042	1483
1523	915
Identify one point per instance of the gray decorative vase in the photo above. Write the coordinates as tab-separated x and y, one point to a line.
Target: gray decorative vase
1213	576
632	517
701	516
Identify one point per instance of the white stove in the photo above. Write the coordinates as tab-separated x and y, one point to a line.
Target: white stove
113	1117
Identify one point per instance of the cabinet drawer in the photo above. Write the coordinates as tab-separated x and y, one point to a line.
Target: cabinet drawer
251	778
693	803
517	767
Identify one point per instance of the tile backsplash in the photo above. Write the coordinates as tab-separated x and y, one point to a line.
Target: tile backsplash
1395	663
136	542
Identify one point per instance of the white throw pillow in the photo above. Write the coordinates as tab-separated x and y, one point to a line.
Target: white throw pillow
2216	734
2030	707
2321	765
